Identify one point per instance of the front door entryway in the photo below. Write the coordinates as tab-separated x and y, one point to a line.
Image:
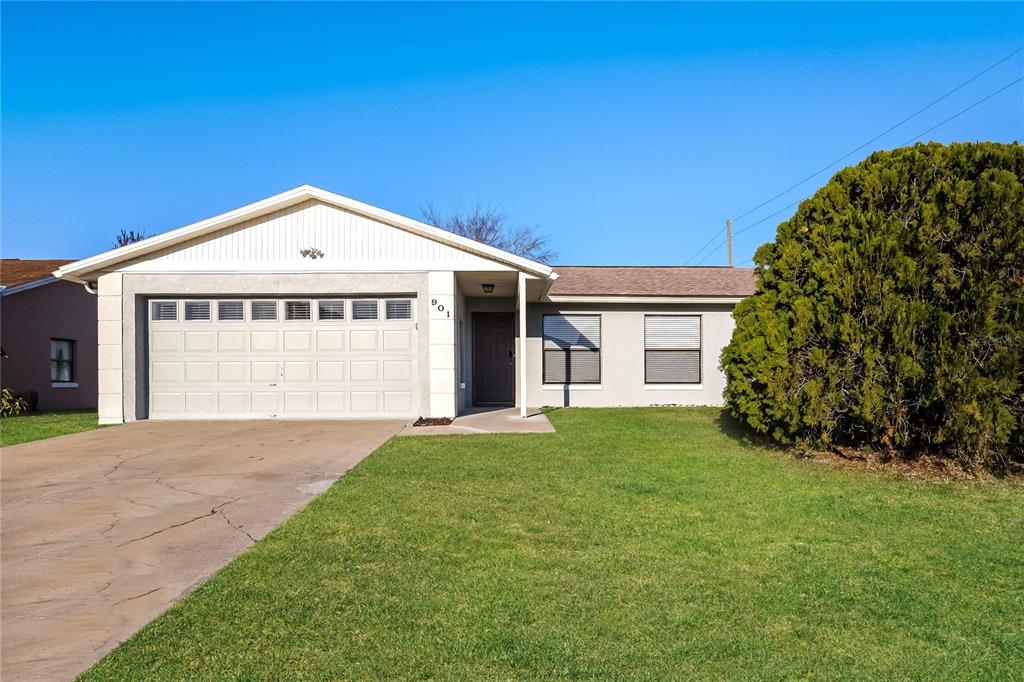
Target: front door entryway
494	360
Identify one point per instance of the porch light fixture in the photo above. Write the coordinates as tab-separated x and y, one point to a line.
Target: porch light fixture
488	288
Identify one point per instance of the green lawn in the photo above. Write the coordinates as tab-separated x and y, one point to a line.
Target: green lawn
36	426
632	544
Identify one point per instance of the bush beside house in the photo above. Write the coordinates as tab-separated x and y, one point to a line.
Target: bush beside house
890	310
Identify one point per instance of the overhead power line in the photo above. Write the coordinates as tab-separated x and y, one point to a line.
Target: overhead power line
882	134
854	151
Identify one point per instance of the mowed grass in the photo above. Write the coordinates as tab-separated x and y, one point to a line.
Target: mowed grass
36	426
632	544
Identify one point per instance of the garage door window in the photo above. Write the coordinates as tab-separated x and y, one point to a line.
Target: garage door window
296	310
164	311
364	309
263	311
230	311
331	310
196	311
398	309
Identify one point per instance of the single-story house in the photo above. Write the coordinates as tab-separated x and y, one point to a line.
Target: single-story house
48	335
312	305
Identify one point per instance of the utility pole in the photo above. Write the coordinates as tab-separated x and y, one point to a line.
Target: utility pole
728	239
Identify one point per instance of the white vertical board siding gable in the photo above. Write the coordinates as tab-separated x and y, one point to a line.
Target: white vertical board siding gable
274	242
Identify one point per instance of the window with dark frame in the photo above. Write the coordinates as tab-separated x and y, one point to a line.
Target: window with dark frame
572	349
672	349
62	360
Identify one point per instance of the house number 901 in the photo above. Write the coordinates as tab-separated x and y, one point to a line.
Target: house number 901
440	307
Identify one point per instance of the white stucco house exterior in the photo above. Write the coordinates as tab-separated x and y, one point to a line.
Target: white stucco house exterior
308	304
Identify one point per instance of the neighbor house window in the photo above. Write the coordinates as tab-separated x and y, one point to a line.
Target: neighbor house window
572	349
62	360
672	349
399	309
364	309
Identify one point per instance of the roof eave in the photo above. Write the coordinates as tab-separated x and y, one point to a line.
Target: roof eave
78	270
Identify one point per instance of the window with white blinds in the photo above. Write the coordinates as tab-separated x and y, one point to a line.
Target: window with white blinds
572	349
331	310
263	311
296	310
230	311
365	309
672	349
196	311
398	309
164	311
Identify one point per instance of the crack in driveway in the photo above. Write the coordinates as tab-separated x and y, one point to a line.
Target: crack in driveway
212	511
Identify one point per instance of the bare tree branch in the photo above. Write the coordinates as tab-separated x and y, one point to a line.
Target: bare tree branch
490	226
126	237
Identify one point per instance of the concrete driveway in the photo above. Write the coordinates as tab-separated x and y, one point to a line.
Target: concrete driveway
102	531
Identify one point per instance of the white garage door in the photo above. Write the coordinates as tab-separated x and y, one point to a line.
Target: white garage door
290	357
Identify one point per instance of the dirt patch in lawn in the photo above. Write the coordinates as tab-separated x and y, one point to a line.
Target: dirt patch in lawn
925	467
433	421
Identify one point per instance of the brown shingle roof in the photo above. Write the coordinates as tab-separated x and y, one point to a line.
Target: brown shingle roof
15	271
614	280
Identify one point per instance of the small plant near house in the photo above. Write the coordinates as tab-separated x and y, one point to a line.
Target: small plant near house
889	311
13	403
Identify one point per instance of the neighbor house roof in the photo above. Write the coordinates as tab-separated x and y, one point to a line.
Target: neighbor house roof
654	281
83	270
15	271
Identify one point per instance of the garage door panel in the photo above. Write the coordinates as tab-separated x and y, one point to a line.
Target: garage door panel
199	342
263	371
330	340
200	403
231	372
264	341
363	339
363	401
298	340
232	402
166	371
165	341
330	370
330	402
363	370
298	402
299	368
298	371
231	341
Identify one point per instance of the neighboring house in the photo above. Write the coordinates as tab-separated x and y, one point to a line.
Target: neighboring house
308	304
48	334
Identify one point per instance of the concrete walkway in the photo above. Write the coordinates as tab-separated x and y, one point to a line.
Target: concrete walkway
487	420
102	531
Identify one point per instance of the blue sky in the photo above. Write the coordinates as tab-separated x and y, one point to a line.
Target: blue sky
629	133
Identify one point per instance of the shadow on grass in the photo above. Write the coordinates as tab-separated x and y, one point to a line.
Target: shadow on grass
735	430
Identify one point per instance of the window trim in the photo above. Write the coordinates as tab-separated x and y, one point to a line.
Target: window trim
72	379
209	309
412	309
544	352
307	301
219	301
177	310
699	349
344	310
375	318
277	309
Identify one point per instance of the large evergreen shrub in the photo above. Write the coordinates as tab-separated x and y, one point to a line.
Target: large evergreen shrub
890	310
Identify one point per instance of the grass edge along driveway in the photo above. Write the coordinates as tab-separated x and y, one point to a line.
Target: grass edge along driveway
631	544
25	428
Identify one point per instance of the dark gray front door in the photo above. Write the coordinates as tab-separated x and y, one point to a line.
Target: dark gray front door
494	362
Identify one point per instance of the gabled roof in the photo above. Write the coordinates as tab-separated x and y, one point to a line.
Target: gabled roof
15	272
654	281
79	270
